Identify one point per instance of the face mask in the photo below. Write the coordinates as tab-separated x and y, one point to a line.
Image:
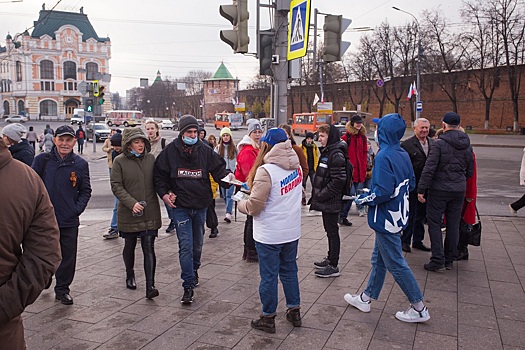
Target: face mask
189	141
135	153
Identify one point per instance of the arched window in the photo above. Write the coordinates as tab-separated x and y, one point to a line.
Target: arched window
21	107
48	108
91	69
70	70
18	71
47	70
6	108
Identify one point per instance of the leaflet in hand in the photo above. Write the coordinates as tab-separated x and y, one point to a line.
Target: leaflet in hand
240	196
348	198
232	180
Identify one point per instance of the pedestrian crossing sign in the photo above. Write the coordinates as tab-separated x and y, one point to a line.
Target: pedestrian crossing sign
299	23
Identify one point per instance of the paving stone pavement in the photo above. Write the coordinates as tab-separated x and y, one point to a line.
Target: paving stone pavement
479	304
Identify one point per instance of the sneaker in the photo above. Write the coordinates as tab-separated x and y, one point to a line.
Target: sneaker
357	302
512	211
112	233
434	266
328	271
170	228
196	277
322	264
344	222
412	315
449	265
228	218
362	212
187	298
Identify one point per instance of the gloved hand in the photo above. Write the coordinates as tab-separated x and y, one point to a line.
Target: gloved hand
361	199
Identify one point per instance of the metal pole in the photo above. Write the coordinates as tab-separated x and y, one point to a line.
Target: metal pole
321	79
316	12
281	69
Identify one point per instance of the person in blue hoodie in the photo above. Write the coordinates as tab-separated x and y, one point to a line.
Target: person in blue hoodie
392	180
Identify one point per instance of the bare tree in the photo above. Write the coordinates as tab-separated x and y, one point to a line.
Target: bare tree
193	81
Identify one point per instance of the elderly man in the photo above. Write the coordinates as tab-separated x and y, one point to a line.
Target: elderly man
449	164
29	245
66	177
417	148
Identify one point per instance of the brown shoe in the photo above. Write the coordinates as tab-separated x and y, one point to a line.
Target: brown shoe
265	324
294	316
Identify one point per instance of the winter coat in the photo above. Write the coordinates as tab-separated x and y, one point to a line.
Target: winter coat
417	156
108	149
315	155
302	158
32	136
330	176
132	182
184	170
392	179
29	244
245	158
449	164
157	146
68	184
231	164
23	152
48	142
357	151
522	170
469	208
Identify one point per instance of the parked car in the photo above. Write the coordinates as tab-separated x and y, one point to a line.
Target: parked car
77	120
101	131
16	119
201	123
167	124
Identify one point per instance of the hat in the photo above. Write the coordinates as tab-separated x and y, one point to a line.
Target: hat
451	118
116	139
254	125
309	135
64	130
274	136
15	132
186	122
225	131
356	119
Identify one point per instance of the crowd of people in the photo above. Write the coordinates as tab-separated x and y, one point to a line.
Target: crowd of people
422	180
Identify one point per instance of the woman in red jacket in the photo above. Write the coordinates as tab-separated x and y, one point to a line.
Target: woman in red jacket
248	149
469	212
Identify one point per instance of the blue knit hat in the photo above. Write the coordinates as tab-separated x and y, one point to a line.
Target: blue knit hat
274	136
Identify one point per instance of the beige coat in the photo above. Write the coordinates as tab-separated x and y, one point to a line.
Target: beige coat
109	150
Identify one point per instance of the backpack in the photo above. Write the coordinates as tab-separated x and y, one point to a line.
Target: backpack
81	134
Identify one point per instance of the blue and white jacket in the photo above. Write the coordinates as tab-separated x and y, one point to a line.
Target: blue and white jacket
392	179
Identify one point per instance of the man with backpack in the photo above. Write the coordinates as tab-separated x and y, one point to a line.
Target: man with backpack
81	137
329	185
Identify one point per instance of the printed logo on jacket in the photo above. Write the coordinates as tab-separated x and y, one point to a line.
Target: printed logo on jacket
190	174
291	181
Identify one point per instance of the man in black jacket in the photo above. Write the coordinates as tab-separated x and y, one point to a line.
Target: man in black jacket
327	193
182	180
449	164
417	148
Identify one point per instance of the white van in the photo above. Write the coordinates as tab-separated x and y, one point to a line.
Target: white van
78	116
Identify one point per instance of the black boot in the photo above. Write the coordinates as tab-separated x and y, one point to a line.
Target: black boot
150	262
265	324
294	316
129	261
130	282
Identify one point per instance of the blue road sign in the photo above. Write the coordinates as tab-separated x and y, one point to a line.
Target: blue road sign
298	31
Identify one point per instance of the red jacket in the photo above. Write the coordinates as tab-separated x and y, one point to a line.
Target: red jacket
469	208
245	160
357	151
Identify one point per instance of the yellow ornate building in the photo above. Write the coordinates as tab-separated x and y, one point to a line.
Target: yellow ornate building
40	72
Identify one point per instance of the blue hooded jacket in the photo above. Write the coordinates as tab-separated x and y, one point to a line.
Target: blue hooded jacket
392	179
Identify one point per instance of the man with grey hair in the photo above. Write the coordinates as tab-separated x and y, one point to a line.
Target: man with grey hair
450	162
417	148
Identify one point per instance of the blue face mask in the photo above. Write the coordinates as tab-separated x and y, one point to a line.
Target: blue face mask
135	153
189	141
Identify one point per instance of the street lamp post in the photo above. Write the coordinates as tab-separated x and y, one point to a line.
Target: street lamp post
418	79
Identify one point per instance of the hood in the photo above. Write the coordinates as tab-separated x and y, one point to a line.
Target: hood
246	140
202	129
283	155
353	131
334	136
131	134
457	139
390	130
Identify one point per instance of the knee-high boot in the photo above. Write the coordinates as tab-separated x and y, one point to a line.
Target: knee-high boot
150	262
128	254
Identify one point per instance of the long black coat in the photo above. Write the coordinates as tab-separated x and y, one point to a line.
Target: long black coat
417	156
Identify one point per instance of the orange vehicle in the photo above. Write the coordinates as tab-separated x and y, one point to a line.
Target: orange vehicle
309	122
227	120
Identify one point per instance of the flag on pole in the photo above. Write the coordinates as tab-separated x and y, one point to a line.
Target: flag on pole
414	89
410	90
316	99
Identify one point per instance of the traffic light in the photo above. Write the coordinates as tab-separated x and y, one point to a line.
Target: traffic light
238	15
95	88
89	105
266	42
334	47
101	89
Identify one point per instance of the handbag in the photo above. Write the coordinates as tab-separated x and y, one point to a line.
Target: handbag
473	232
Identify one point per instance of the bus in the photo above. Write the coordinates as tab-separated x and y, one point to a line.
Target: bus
125	118
228	120
309	122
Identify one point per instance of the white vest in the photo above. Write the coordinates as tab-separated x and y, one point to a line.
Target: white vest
280	220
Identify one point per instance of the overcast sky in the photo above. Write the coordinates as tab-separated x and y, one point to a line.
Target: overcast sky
178	36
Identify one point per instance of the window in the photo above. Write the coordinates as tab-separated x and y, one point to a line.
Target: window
48	108
18	71
47	85
21	107
91	69
46	70
70	70
6	108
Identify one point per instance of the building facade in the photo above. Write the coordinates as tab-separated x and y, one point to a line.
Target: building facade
40	72
220	92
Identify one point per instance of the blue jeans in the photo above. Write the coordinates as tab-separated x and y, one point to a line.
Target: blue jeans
348	204
278	260
169	210
113	224
227	194
189	224
387	255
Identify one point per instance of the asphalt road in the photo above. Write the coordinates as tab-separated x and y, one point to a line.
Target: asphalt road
498	173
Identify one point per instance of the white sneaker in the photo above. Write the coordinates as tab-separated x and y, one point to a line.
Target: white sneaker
357	302
362	212
512	211
413	316
228	218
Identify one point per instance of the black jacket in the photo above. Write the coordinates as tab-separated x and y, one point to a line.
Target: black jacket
449	164
185	171
330	176
23	152
417	156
